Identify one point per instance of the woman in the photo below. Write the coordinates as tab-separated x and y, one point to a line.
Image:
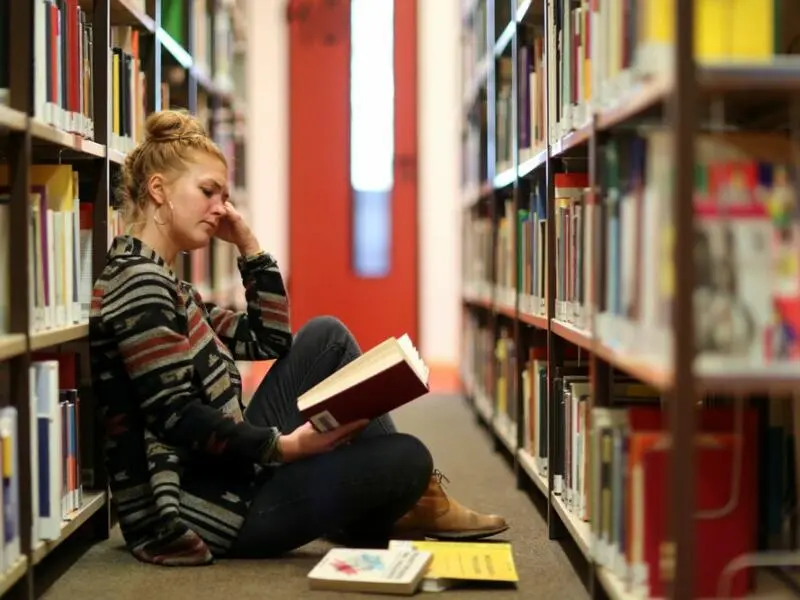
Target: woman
194	474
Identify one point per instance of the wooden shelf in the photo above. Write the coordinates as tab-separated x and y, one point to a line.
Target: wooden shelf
62	335
505	178
11	119
528	465
125	12
572	140
575	336
578	529
542	237
70	141
116	157
530	164
92	502
13	575
642	97
11	345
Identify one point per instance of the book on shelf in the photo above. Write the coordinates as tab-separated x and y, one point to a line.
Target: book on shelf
384	378
63	40
381	571
55	445
5	263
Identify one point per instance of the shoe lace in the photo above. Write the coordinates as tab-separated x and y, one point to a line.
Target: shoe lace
440	476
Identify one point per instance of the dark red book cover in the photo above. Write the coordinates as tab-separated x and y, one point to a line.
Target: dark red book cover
368	399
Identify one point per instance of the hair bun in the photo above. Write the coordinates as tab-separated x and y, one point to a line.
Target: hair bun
172	125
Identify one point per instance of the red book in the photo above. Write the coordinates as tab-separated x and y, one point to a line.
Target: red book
387	376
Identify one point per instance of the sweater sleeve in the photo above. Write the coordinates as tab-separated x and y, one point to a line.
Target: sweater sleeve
263	331
140	310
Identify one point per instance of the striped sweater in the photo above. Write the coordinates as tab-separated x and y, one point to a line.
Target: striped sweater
182	462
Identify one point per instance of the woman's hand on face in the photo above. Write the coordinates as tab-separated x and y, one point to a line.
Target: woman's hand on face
307	441
234	229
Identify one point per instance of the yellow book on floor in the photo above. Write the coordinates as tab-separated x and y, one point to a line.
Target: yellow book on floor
454	562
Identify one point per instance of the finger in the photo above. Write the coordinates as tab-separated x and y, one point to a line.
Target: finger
232	212
348	429
354	427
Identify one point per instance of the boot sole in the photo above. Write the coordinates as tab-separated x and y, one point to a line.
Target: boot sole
465	535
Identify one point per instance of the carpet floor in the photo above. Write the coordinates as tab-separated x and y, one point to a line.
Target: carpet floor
478	477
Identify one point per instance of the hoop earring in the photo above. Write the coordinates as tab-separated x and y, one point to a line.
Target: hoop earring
155	214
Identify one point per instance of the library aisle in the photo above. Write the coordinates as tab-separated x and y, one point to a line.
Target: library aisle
478	476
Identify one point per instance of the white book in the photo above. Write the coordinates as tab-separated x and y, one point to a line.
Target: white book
395	571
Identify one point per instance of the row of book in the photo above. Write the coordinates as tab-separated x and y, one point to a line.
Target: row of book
474	152
213	34
606	48
59	249
504	147
55	443
10	542
64	77
57	489
477	239
474	44
585	66
747	238
128	89
609	463
531	131
531	251
477	348
610	471
63	41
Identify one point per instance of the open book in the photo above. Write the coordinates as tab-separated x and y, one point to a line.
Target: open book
387	376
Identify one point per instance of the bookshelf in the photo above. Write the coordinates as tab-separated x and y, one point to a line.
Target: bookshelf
84	76
629	253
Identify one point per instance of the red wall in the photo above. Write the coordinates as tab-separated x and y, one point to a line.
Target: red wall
322	278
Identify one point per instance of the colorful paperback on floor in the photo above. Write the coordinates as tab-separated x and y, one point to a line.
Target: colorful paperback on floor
384	571
456	563
385	377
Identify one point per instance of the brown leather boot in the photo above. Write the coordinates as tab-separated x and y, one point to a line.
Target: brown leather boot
439	516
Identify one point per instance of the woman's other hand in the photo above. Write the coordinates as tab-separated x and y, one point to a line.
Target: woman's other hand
307	441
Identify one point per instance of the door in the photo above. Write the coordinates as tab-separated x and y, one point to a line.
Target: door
352	165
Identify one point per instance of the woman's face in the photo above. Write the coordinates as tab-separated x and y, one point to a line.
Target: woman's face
195	202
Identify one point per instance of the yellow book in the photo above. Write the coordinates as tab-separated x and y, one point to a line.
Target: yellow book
752	32
724	30
115	73
712	29
454	562
658	22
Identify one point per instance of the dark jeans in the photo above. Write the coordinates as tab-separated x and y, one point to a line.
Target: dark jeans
352	494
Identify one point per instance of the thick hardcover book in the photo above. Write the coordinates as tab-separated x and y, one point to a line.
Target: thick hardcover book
387	376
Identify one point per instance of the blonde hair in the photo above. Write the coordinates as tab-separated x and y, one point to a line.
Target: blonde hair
171	137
